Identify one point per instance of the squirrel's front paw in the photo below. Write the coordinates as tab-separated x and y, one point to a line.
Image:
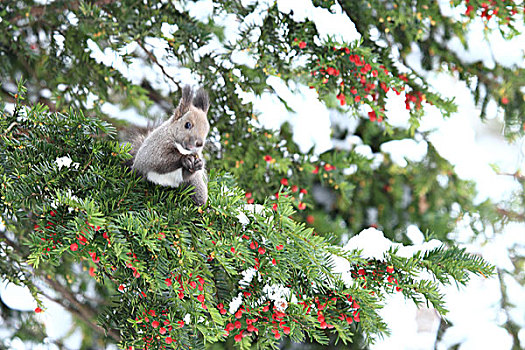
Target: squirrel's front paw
187	162
198	164
192	163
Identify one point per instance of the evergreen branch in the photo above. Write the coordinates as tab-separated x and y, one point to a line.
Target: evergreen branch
42	10
75	307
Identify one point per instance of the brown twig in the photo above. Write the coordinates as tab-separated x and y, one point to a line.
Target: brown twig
154	59
84	312
511	214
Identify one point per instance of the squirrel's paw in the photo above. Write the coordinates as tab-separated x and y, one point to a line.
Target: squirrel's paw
192	163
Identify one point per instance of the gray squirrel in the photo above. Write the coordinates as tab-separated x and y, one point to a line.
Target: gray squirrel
171	153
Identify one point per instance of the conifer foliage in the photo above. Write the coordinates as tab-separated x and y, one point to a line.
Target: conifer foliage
138	264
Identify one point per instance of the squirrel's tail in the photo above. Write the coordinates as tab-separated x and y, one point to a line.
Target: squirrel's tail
135	136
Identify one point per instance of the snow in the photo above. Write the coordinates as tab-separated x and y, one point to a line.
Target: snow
24	300
307	110
333	24
66	161
476	317
401	151
235	303
373	244
412	328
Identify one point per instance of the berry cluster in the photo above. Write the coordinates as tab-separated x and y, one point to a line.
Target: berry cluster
502	10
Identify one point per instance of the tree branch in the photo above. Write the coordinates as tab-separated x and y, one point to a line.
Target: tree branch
40	11
154	59
84	312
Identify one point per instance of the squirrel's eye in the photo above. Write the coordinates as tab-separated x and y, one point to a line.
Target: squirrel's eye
187	125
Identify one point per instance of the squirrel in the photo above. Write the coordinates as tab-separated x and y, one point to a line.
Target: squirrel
171	153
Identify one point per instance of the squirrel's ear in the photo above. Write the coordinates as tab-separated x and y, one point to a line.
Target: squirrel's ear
185	102
201	100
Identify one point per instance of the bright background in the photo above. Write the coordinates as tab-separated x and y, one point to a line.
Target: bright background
474	147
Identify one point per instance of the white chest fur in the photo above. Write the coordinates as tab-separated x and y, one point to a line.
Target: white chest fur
173	179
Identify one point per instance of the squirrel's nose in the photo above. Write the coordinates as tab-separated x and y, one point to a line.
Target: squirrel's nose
198	143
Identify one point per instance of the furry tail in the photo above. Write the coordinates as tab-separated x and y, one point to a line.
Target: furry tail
135	136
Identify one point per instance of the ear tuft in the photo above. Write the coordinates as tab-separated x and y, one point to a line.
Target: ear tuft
201	100
184	103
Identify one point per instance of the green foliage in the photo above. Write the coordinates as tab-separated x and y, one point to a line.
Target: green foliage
141	237
170	269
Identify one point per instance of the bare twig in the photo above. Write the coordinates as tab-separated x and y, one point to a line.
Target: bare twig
154	59
511	214
84	312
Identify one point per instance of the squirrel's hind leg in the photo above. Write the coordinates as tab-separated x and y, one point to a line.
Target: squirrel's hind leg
199	193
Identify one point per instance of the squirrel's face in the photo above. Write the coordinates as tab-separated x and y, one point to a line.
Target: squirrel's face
189	124
190	131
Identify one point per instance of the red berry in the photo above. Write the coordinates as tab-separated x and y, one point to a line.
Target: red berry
38	310
279	247
342	99
284	182
155	324
261	250
169	340
268	158
121	288
73	247
162	330
302	45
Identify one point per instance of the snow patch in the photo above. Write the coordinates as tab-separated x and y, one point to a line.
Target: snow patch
331	23
374	245
407	149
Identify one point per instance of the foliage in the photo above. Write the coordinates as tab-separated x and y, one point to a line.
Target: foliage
75	213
